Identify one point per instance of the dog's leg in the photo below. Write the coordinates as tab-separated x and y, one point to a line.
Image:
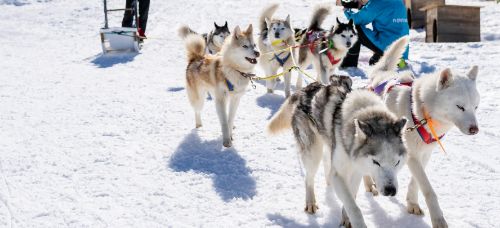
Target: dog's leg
233	106
418	173
221	106
327	164
370	185
412	195
271	83
195	96
311	160
353	187
288	78
354	215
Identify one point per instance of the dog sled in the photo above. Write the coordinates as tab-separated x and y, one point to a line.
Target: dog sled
120	39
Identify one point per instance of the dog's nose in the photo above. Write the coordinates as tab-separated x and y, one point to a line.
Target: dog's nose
389	190
473	130
348	44
277	35
257	54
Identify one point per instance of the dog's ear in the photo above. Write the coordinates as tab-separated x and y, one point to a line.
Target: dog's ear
216	26
268	23
225	25
472	74
249	30
445	79
351	23
335	80
338	21
399	126
237	32
363	130
288	20
347	82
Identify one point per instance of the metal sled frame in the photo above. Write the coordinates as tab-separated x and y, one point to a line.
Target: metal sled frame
119	39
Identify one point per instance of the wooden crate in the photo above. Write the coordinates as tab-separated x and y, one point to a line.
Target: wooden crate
452	23
416	17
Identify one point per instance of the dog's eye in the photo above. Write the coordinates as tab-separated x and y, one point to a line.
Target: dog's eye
282	28
475	108
274	29
352	35
245	46
254	45
343	35
397	163
375	162
461	108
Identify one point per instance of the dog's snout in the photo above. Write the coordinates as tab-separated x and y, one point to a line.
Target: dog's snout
348	44
277	35
473	130
389	190
257	54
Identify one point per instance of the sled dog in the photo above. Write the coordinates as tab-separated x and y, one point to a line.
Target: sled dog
213	40
225	77
325	49
353	133
275	34
444	99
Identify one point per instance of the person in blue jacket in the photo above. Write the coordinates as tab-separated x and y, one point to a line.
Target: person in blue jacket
389	22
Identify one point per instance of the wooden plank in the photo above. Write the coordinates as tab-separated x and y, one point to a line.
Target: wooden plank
456	38
466	28
459	14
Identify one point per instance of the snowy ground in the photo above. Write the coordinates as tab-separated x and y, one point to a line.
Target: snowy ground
88	141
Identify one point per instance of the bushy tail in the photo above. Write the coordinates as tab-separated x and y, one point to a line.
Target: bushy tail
392	55
183	31
195	46
319	15
282	120
268	13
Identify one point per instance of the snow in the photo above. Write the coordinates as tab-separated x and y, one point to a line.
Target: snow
92	141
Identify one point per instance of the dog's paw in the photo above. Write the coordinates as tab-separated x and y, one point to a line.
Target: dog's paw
198	125
311	208
227	143
414	208
373	190
439	223
345	222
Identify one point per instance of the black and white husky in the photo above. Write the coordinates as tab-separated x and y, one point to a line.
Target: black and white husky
325	49
213	40
353	133
447	99
275	35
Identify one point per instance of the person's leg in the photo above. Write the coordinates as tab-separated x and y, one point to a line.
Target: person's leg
128	16
143	14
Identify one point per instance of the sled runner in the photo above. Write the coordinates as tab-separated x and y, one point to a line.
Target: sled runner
119	39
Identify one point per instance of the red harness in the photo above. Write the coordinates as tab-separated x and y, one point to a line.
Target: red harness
424	134
312	37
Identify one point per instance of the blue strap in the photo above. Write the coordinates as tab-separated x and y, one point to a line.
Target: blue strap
230	86
282	61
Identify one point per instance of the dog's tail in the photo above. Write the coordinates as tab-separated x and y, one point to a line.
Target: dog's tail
319	15
282	120
183	31
392	55
195	46
267	14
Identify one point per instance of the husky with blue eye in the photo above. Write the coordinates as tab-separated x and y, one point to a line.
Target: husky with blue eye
213	40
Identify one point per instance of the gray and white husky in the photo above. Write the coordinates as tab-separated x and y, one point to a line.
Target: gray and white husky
213	40
275	30
333	47
353	133
448	99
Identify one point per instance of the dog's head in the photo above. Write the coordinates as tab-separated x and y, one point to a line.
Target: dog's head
342	81
220	34
455	100
240	49
343	35
279	29
380	150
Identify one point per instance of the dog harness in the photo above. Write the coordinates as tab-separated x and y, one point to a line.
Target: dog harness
418	124
230	86
312	36
282	61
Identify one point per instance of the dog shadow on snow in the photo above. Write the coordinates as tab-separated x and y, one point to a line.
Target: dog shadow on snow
270	101
380	215
111	59
231	177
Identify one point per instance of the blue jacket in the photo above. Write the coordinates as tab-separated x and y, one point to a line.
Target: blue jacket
389	22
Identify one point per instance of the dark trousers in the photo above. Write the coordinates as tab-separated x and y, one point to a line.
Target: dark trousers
351	60
128	17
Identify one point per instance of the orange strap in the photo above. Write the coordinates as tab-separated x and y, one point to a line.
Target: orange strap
430	123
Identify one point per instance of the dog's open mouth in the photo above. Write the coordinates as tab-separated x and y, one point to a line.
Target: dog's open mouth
251	60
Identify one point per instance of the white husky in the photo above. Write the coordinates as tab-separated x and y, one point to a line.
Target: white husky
444	98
